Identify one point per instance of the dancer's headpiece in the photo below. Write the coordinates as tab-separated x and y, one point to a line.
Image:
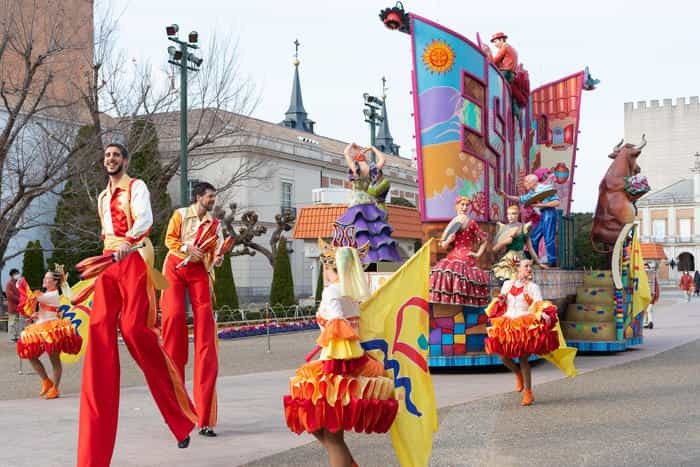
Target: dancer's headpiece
343	236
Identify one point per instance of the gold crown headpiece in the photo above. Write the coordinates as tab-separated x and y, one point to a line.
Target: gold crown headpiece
343	236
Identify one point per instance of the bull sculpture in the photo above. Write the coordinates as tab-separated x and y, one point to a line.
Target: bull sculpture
615	205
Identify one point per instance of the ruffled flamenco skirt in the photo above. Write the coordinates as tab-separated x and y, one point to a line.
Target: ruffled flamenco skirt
527	334
455	282
371	226
57	335
341	394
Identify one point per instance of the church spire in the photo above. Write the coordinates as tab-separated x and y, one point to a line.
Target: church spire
384	140
296	116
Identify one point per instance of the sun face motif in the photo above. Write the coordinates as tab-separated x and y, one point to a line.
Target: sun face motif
438	57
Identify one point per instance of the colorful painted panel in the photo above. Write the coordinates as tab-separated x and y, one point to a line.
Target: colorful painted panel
443	115
555	121
496	125
497	202
472	116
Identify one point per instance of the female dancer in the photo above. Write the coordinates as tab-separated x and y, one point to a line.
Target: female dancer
515	239
345	389
522	324
48	333
455	279
369	220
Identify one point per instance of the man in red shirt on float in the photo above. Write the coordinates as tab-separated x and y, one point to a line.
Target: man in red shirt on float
506	58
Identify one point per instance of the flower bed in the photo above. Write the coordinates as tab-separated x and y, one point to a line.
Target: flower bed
259	329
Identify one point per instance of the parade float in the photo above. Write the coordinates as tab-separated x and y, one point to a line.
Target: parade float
480	131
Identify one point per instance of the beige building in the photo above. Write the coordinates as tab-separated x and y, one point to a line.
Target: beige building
670	216
673	133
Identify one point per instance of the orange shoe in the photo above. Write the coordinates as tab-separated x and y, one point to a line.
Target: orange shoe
519	382
53	393
528	398
46	384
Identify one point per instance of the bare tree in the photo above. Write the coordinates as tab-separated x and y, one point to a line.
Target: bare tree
247	229
39	152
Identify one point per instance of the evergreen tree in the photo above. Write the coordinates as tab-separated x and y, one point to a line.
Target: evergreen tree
144	163
586	257
76	231
282	290
319	283
225	286
33	267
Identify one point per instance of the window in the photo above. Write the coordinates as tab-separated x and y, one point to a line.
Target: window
684	230
286	200
542	129
658	228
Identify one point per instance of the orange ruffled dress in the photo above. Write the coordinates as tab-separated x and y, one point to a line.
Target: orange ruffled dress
48	333
521	322
346	388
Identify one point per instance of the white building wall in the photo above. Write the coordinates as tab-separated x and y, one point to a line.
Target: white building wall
671	130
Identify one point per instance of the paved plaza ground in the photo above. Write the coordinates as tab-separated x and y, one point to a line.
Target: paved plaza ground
633	408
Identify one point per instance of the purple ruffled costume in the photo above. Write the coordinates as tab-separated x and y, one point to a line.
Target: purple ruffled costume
369	221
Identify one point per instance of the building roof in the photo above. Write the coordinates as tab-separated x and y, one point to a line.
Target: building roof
317	221
652	251
296	116
678	192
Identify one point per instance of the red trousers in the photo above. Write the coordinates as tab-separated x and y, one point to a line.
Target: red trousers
124	294
195	279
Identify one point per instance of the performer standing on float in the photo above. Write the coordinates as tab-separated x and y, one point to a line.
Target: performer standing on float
125	296
187	267
49	333
345	389
523	324
456	279
369	220
506	58
546	228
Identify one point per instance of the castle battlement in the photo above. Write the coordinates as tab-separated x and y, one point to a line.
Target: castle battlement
664	104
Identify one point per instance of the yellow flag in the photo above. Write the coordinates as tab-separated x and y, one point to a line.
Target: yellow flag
641	292
79	317
396	322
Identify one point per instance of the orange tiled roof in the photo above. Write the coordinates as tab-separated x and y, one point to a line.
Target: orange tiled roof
652	251
317	221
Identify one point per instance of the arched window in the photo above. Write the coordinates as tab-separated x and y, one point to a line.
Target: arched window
686	262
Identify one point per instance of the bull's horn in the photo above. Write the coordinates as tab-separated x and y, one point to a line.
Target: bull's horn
619	145
644	143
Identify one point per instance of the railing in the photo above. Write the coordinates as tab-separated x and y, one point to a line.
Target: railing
566	250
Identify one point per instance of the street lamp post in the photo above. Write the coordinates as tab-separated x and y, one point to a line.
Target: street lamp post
373	117
185	60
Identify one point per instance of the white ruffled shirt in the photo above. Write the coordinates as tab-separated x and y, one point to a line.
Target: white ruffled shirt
50	298
517	306
336	306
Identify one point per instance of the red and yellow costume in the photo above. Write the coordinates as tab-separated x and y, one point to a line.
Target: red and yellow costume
125	296
521	322
345	389
183	228
49	333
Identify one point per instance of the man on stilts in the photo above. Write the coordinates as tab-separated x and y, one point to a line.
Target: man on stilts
125	296
188	267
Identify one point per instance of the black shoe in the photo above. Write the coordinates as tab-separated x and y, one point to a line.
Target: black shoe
208	432
184	443
651	325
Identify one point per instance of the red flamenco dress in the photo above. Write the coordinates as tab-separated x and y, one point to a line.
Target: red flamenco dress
48	333
455	279
346	388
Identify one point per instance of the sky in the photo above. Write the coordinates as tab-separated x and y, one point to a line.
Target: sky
640	50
